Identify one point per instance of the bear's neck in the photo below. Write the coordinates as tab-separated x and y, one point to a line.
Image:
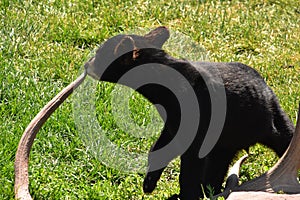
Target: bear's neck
157	64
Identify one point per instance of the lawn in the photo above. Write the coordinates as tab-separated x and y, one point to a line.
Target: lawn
43	45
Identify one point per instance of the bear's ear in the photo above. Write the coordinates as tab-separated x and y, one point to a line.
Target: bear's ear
127	44
158	36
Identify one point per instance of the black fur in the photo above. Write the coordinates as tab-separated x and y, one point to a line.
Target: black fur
253	111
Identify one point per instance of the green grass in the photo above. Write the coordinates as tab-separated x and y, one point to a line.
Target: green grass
43	45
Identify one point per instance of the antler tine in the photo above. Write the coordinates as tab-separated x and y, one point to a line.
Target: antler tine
22	156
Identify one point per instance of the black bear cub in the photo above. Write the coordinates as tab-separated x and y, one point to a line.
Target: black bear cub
253	114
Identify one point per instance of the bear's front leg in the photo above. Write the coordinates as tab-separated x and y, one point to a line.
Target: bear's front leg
197	174
190	178
152	175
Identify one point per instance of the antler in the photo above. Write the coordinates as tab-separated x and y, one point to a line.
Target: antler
282	177
25	144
